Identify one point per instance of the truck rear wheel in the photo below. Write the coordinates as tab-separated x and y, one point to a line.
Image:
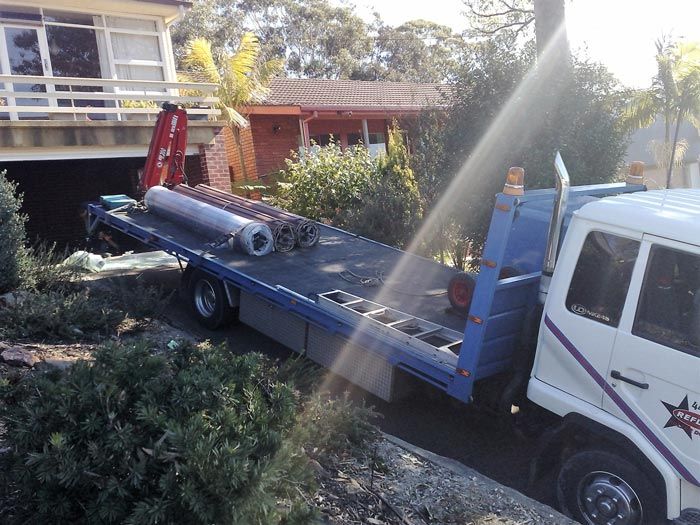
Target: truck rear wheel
208	300
599	488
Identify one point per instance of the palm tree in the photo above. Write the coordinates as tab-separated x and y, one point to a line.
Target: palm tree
674	94
243	79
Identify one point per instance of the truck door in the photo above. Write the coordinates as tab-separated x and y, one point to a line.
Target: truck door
592	289
655	367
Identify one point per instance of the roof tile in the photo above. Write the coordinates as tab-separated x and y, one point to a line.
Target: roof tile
308	92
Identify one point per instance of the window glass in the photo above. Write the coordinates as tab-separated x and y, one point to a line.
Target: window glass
74	52
669	306
120	22
70	18
135	47
602	276
321	140
139	73
354	139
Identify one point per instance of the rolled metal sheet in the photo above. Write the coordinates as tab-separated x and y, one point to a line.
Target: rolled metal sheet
283	233
254	238
306	231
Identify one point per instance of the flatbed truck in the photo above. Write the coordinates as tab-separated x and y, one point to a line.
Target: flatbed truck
593	333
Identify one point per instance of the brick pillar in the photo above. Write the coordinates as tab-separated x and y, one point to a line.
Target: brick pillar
213	163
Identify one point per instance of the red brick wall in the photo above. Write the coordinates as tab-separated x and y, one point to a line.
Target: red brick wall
213	163
233	152
272	147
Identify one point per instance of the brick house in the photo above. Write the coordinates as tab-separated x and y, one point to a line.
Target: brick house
81	82
299	112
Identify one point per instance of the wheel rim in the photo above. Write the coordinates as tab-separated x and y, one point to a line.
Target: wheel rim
204	298
462	293
606	499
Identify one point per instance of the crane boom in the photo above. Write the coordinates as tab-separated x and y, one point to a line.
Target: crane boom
166	153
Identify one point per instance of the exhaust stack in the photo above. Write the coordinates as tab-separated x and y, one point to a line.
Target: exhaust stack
555	225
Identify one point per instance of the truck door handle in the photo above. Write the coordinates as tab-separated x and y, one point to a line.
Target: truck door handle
617	375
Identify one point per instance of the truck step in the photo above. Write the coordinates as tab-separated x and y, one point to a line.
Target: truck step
418	334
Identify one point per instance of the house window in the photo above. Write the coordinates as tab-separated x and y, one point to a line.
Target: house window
354	139
82	45
323	139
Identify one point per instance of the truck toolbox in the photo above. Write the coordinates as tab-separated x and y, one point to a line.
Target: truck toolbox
273	321
355	363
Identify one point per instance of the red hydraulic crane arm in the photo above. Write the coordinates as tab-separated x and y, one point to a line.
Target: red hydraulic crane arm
165	163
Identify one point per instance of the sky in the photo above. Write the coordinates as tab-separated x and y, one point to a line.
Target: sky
618	33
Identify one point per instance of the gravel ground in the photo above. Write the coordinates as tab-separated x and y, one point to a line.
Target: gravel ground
398	483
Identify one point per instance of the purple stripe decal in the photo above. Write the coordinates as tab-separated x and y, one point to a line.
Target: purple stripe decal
626	409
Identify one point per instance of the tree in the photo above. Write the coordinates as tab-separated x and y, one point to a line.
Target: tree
217	21
324	41
674	94
502	116
242	78
417	51
519	16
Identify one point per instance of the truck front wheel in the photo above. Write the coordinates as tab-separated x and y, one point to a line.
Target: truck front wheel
598	488
208	300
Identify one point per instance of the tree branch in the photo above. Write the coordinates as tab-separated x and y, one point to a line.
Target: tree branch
523	24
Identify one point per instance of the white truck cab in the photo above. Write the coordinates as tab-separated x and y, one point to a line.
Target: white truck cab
618	357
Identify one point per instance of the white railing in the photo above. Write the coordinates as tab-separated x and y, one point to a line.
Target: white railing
115	100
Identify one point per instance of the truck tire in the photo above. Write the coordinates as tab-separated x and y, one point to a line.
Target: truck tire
208	300
596	487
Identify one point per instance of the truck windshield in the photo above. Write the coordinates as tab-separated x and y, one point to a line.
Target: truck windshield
602	276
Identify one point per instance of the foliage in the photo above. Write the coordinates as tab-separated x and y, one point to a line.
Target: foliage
242	76
218	21
194	436
374	197
43	270
417	51
12	234
391	207
321	39
674	94
330	425
324	40
327	184
65	310
581	119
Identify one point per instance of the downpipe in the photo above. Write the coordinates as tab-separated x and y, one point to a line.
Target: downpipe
555	226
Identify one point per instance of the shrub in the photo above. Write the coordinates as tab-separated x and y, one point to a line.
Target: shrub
12	234
327	184
42	269
72	311
193	436
334	424
391	207
374	197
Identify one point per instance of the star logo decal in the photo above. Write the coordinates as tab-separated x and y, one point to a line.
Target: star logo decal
682	417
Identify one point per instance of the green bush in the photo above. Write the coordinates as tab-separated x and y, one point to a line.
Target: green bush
328	184
42	269
72	311
374	197
334	425
196	435
12	234
391	207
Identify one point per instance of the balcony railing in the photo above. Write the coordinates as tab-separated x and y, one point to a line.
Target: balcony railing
24	97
